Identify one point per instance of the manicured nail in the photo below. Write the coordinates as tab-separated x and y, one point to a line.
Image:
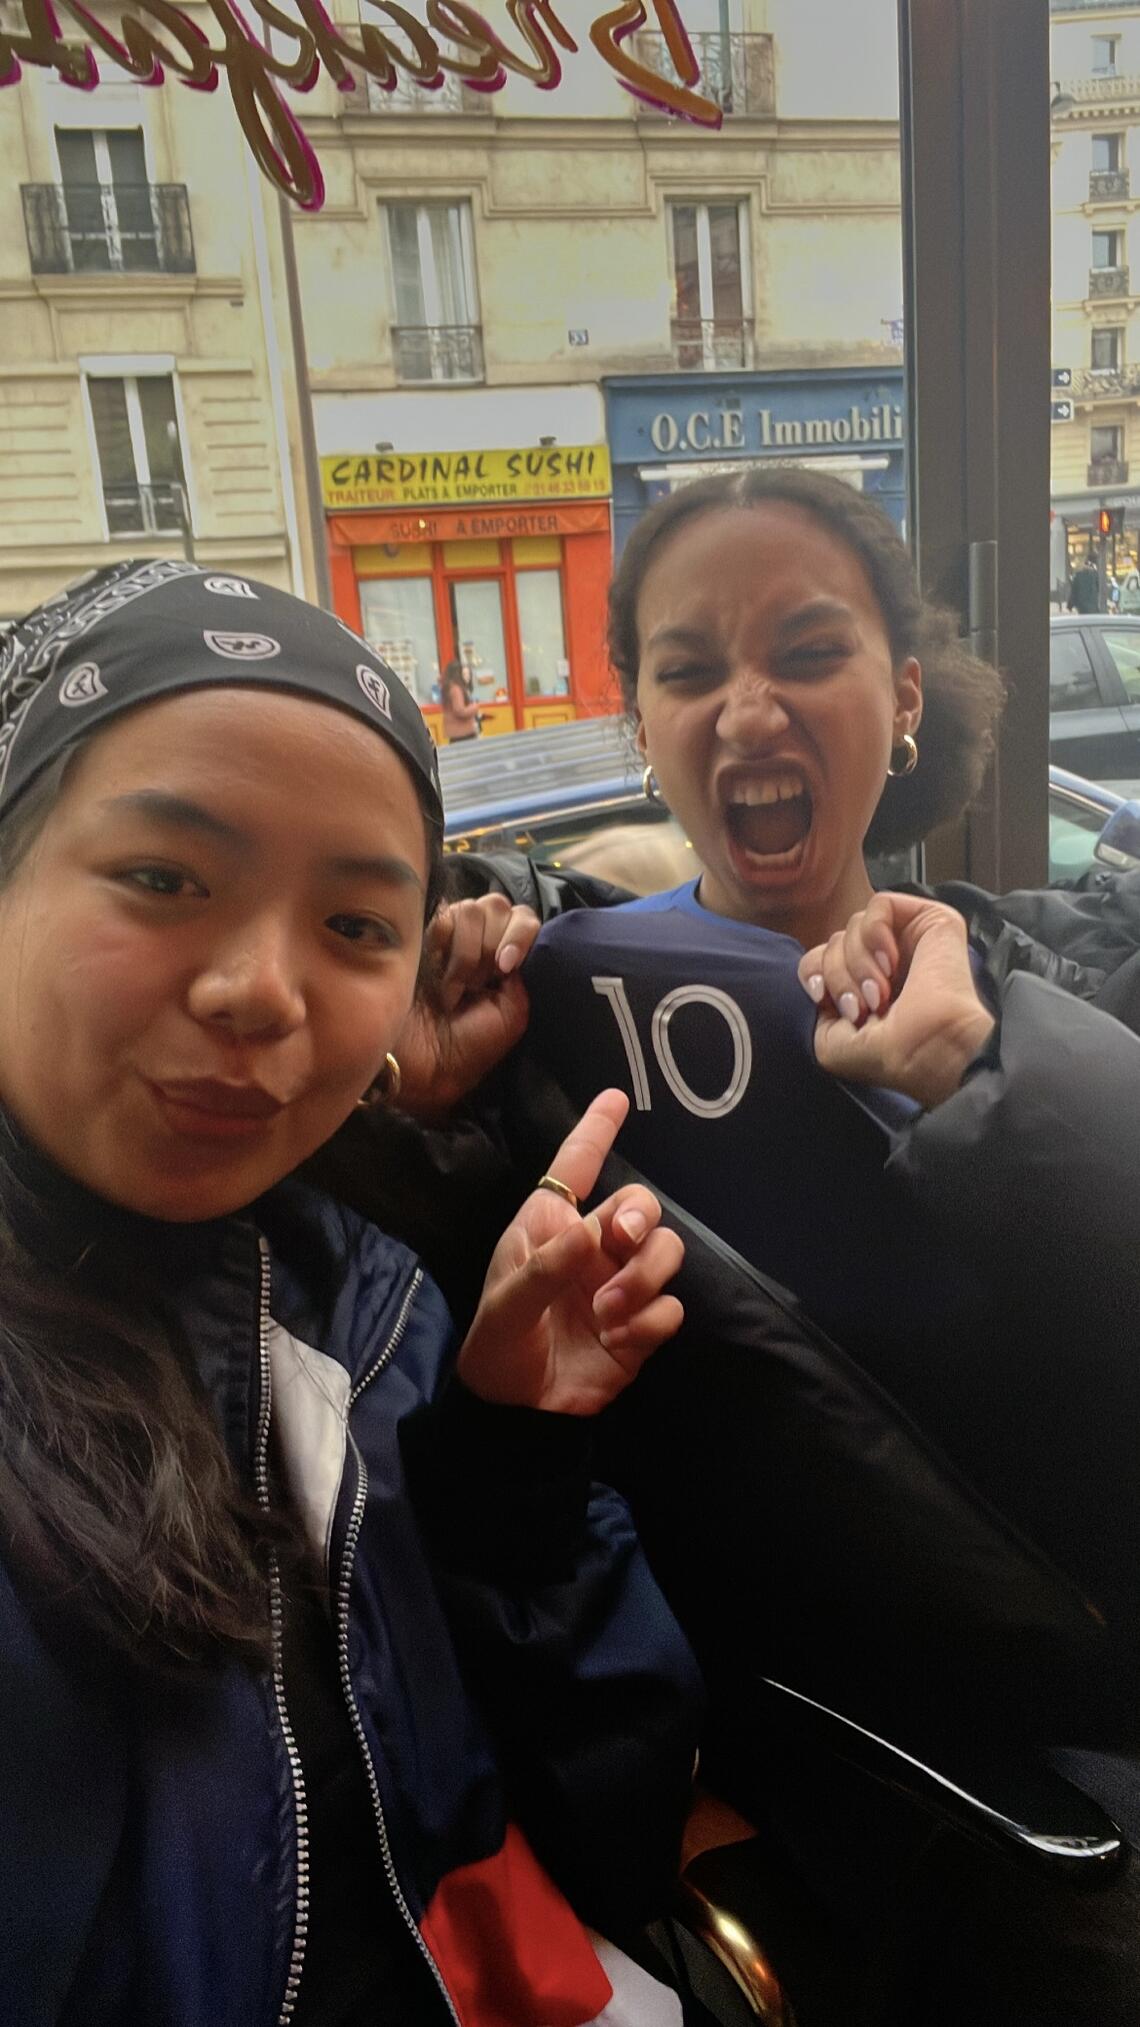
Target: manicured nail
814	987
610	1305
634	1225
872	993
509	956
849	1007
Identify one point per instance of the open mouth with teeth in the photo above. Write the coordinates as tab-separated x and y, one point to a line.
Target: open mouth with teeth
769	816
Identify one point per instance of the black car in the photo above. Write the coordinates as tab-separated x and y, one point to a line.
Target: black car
1094	697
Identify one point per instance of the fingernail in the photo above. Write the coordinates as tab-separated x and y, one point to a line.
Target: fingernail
509	957
633	1224
610	1305
849	1007
814	986
872	993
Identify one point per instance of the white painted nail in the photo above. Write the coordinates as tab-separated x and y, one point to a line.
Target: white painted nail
872	993
849	1007
814	987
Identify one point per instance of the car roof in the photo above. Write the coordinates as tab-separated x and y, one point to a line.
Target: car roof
550	768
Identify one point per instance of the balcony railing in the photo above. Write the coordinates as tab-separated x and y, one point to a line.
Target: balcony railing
1106	185
737	71
1108	471
706	344
1108	281
108	228
427	352
1106	381
452	96
1108	87
160	509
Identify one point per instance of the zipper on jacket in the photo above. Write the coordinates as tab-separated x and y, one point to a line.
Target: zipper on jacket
276	1616
344	1587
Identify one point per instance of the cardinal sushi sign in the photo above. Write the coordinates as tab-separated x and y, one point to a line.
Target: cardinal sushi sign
153	40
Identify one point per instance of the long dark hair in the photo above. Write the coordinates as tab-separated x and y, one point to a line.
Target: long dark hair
962	696
121	1516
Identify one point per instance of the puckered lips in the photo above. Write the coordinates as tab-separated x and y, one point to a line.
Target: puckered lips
768	813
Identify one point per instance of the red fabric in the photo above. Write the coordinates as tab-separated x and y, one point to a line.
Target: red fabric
511	1951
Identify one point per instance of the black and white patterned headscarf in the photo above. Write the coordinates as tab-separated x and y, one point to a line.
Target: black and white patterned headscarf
138	631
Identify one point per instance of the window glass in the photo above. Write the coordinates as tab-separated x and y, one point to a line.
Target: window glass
1072	684
477	617
1073	832
1105	249
1106	151
1103	55
1124	647
1105	349
546	671
398	620
112	433
1104	442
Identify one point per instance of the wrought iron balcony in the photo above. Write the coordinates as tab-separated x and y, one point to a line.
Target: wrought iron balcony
1108	281
425	352
1107	185
1108	471
706	344
160	509
1106	382
452	96
738	71
108	228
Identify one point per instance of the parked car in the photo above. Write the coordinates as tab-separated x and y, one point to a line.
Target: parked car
1094	696
547	790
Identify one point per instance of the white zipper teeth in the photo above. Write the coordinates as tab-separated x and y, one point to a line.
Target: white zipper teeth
300	1802
343	1589
393	1344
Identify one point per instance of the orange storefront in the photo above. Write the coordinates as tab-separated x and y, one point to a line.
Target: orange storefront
516	591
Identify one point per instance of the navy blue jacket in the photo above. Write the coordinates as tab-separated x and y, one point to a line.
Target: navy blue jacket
153	1854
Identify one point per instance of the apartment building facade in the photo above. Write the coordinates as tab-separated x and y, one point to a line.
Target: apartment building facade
529	312
1095	396
147	398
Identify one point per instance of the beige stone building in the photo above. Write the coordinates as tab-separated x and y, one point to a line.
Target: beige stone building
147	402
495	278
1096	276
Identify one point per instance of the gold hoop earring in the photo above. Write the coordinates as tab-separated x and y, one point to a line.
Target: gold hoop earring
384	1089
649	787
909	760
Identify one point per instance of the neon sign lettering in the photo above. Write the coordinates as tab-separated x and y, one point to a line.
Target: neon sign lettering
156	40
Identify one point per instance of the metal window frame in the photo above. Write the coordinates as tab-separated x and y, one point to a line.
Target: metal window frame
976	250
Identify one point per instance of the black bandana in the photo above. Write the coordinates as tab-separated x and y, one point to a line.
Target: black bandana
137	631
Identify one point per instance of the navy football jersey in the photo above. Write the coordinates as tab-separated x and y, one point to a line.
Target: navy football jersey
703	1022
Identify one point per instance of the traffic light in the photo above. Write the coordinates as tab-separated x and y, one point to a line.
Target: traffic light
1110	521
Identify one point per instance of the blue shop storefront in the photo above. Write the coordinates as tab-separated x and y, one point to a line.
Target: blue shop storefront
665	428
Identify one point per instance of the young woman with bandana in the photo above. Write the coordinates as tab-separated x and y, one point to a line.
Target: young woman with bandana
329	1689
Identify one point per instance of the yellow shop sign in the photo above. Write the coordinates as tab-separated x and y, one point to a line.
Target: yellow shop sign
460	478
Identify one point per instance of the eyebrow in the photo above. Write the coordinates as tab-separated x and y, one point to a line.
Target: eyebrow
681	637
819	610
178	813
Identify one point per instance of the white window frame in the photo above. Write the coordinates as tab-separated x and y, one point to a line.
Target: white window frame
429	279
1108	232
103	174
701	206
1110	70
130	369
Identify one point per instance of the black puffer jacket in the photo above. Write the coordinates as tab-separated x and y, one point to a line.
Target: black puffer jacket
970	1556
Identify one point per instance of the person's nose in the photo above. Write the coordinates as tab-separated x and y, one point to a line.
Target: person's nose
753	714
251	983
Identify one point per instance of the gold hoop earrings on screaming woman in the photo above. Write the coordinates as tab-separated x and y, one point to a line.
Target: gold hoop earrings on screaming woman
384	1089
649	788
908	748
